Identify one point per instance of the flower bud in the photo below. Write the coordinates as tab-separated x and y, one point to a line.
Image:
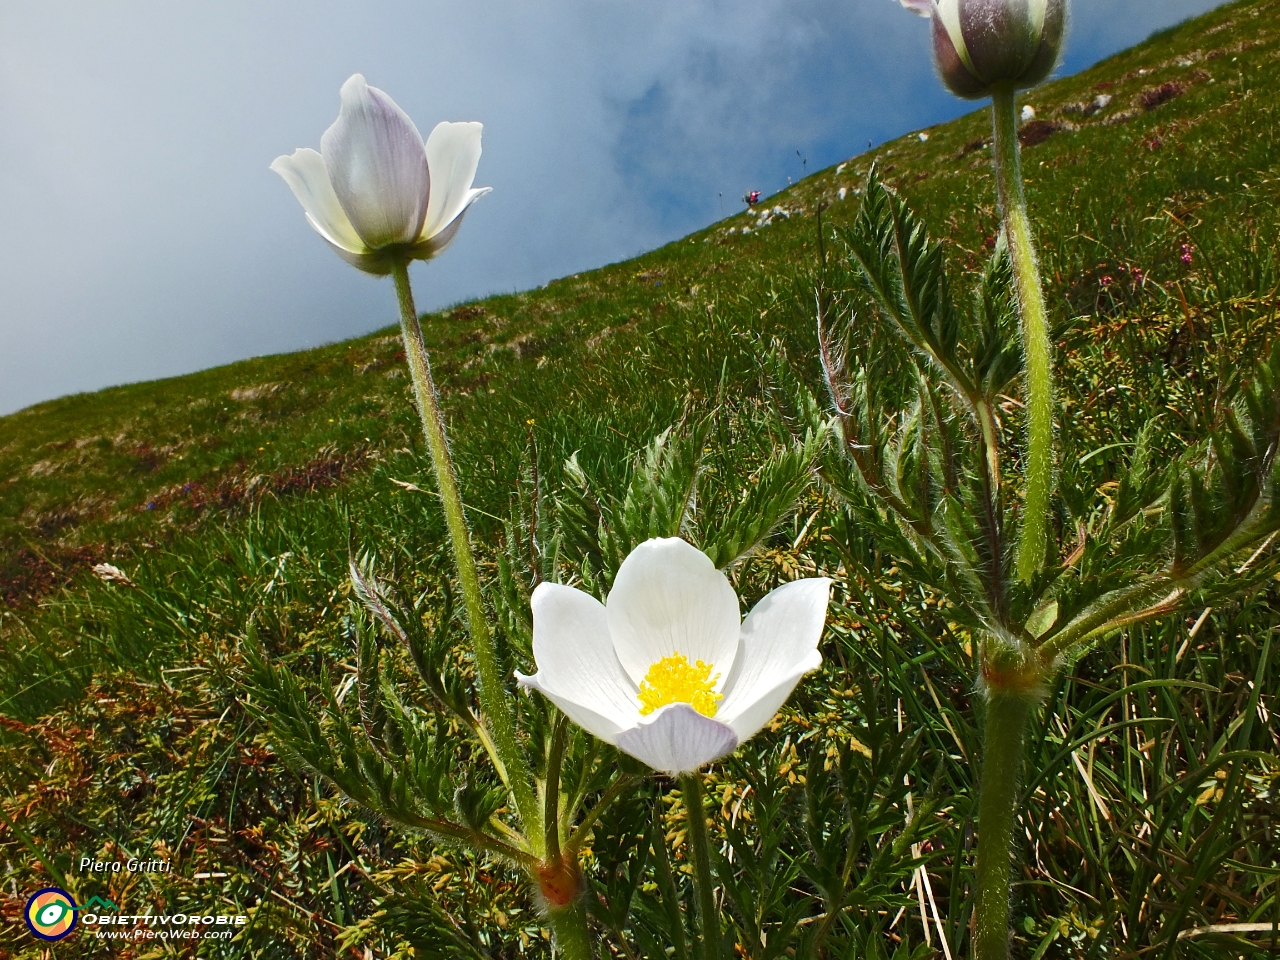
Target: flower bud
984	45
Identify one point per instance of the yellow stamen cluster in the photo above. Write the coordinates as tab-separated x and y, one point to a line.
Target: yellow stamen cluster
674	680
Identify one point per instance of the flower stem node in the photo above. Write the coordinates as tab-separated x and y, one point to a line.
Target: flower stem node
559	881
667	670
375	192
982	46
1008	671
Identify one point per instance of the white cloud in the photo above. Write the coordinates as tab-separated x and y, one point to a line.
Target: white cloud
145	236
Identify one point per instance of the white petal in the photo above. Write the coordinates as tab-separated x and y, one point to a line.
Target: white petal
304	171
377	166
669	598
924	8
678	739
1036	12
453	153
575	657
751	716
428	247
779	646
606	728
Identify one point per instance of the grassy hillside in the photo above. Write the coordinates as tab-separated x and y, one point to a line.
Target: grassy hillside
1183	153
236	493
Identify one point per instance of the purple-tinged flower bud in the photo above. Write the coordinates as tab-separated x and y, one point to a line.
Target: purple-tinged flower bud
981	46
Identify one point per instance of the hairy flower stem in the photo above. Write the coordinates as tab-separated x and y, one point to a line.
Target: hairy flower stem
1006	724
571	936
1035	336
700	846
493	698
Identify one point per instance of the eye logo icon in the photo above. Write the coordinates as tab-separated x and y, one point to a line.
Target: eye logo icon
51	913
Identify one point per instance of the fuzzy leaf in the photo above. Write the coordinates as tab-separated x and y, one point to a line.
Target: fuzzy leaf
771	495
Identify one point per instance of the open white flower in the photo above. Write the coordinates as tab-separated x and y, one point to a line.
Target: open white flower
375	192
666	671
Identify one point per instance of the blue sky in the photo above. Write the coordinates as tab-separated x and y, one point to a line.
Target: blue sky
145	237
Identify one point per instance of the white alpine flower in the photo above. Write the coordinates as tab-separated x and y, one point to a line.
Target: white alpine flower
666	670
374	191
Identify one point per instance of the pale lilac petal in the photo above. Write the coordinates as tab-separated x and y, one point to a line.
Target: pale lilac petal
377	166
1002	38
948	23
304	171
678	739
669	598
924	8
575	656
374	261
1050	15
779	646
453	153
953	64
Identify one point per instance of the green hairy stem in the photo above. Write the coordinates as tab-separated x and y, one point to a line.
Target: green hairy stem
572	938
1002	747
1036	346
700	847
493	697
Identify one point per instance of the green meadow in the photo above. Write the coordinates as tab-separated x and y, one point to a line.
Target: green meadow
237	495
